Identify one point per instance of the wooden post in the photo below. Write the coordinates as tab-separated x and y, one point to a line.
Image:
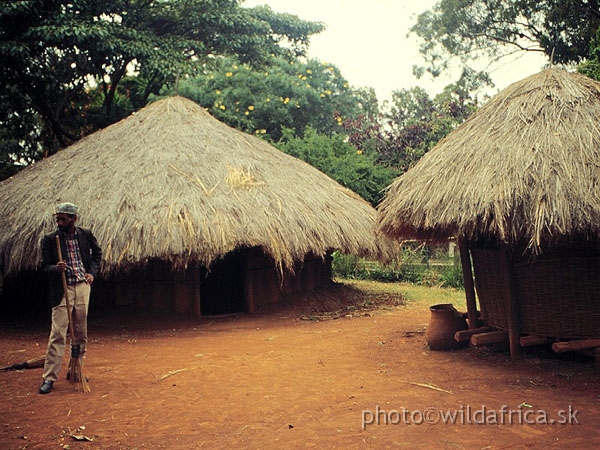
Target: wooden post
492	337
511	307
575	345
465	260
465	335
530	341
186	290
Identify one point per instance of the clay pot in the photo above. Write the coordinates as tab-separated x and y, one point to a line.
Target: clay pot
445	320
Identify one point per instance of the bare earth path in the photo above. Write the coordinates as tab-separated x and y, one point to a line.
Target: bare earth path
288	378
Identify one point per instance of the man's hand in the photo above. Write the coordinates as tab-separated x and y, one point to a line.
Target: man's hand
61	266
89	278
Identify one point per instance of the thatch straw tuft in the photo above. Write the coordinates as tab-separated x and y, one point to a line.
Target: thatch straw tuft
172	182
241	178
525	166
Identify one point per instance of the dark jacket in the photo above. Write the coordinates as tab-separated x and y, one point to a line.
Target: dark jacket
91	254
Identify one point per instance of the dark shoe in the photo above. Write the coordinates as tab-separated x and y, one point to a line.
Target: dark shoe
46	387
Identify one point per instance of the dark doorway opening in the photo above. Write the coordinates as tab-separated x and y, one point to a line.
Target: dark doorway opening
222	288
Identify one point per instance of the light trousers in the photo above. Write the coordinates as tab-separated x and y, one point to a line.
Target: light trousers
79	300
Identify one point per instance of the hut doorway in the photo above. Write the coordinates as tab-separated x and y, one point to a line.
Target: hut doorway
222	288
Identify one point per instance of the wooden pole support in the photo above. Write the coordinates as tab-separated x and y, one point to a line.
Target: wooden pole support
465	335
571	346
531	341
493	337
510	301
465	260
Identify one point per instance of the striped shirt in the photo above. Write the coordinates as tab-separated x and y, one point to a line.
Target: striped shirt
75	271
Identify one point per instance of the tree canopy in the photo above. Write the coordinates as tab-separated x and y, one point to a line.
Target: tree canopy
412	122
333	155
469	29
591	67
284	93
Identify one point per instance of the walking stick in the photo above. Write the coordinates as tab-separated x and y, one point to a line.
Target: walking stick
75	370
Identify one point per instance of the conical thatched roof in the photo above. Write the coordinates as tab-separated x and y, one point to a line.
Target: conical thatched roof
172	182
524	166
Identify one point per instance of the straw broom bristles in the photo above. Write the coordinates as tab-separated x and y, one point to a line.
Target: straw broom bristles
75	369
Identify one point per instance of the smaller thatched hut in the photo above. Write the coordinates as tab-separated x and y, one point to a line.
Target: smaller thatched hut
190	213
517	184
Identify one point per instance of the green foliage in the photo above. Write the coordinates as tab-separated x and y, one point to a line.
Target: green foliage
591	67
285	31
282	94
453	276
470	29
413	122
410	266
19	132
332	155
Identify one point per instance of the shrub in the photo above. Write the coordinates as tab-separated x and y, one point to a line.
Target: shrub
412	266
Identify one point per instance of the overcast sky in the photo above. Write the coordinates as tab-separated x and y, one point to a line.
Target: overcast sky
366	40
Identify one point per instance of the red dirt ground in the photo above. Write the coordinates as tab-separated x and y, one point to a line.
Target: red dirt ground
294	377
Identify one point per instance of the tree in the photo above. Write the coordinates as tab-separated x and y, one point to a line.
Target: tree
334	156
591	67
413	122
469	29
283	94
51	50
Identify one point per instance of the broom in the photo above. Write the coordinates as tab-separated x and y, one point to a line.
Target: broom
34	363
75	370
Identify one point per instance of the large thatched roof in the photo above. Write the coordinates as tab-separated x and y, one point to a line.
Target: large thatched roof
172	182
524	166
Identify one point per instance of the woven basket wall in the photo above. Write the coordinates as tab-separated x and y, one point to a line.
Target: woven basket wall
491	285
558	297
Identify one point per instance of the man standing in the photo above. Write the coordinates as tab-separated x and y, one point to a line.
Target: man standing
81	262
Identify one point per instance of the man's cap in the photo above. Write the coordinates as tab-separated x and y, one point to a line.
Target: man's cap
66	208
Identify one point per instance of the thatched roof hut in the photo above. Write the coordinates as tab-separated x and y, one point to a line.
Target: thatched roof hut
520	175
172	183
